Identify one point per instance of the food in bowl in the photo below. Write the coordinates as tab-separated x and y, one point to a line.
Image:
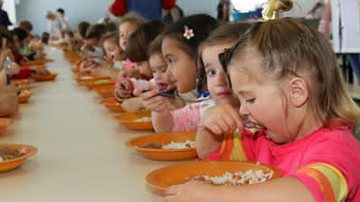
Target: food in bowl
86	78
172	145
237	178
102	82
143	119
7	154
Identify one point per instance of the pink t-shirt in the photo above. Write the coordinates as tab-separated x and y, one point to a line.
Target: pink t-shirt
128	65
327	161
188	117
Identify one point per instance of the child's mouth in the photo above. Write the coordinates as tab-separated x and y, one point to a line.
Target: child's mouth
253	126
163	87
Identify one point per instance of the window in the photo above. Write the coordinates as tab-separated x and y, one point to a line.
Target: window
246	5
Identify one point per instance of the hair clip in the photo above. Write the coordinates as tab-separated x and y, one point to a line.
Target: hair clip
269	11
188	33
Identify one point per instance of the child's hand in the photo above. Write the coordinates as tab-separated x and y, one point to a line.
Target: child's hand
132	73
124	88
190	191
220	119
157	103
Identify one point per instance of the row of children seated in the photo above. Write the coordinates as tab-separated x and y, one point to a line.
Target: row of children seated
270	92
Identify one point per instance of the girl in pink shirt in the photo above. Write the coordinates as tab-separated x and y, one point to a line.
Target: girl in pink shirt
179	48
292	94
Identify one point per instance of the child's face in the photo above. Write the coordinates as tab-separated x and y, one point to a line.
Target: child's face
91	42
163	78
125	31
263	100
180	65
112	50
144	68
216	79
27	40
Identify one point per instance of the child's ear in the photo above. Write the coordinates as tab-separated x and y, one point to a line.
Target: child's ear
298	91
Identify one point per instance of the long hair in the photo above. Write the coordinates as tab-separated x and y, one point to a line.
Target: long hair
289	47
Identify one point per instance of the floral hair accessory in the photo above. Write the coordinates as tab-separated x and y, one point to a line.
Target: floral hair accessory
188	33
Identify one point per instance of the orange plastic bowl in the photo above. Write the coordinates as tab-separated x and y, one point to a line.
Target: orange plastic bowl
113	105
35	63
48	77
99	83
24	96
109	99
162	139
4	123
84	78
23	84
128	120
15	163
105	93
160	179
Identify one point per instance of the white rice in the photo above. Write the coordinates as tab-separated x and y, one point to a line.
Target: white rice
143	119
237	178
179	145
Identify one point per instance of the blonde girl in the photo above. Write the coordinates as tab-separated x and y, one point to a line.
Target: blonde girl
290	88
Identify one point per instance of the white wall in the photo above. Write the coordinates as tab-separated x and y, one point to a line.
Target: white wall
301	7
75	10
199	6
9	7
92	10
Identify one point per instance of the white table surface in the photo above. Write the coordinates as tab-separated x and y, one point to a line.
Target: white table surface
82	156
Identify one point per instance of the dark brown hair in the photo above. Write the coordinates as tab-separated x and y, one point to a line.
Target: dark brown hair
25	24
200	24
83	28
155	46
95	31
139	41
113	36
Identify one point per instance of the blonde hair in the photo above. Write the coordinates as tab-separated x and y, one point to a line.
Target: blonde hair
224	34
133	18
289	47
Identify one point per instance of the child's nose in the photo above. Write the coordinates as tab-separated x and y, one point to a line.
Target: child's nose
220	80
243	110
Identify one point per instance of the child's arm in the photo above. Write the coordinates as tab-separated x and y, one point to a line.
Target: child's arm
133	104
161	108
215	122
281	190
8	100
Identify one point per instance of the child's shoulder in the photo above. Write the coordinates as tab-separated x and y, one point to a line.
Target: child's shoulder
336	136
333	145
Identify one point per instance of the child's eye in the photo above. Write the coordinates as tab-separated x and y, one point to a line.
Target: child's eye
252	100
170	60
163	68
210	72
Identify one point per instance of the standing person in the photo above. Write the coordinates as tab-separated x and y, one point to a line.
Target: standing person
344	16
173	14
54	26
4	18
150	9
223	9
64	22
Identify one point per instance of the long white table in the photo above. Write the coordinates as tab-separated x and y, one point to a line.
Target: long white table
82	156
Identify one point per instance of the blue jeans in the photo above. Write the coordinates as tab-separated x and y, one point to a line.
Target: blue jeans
354	60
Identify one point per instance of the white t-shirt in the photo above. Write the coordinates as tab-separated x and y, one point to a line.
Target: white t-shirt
346	25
